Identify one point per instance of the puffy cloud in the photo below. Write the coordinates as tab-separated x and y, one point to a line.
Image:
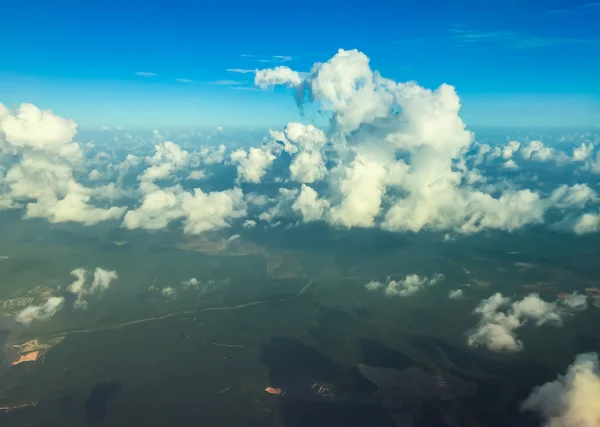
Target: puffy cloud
308	167
576	301
41	176
576	196
212	155
509	149
404	148
158	209
42	312
32	128
408	286
497	329
362	185
209	211
197	175
168	157
169	292
306	137
374	285
572	399
280	75
582	152
510	164
251	165
309	205
200	211
455	294
193	282
102	279
587	223
536	150
347	85
249	223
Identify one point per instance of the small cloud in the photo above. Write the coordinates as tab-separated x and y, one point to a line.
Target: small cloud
254	89
40	312
234	238
240	70
229	82
269	58
145	74
249	223
219	128
105	127
197	175
455	294
374	285
190	282
169	292
184	80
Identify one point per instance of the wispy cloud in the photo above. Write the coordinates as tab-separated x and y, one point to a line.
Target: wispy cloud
145	74
573	9
184	80
269	58
240	70
251	88
229	82
516	40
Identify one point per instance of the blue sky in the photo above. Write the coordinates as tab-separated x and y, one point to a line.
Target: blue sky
513	63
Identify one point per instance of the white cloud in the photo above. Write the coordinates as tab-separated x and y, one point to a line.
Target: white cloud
374	285
510	164
411	284
377	121
408	286
199	211
509	149
249	223
168	157
184	80
42	312
308	167
191	282
587	223
102	279
251	165
212	155
169	292
572	399
145	74
197	175
576	196
536	150
280	75
582	152
576	301
455	294
240	70
95	175
497	329
309	205
41	176
362	187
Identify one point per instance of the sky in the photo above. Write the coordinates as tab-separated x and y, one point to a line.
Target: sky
146	64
